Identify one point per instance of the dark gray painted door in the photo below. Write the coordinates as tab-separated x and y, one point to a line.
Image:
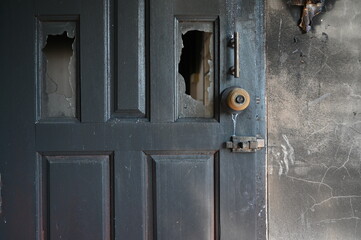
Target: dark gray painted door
99	138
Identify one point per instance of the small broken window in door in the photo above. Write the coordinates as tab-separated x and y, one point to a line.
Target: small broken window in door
58	70
195	69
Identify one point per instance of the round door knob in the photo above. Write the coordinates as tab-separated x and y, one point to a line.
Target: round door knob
236	99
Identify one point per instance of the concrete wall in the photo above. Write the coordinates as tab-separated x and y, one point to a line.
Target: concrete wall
314	112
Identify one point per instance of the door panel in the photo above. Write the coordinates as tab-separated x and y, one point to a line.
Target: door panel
128	167
76	196
184	196
130	87
93	50
164	56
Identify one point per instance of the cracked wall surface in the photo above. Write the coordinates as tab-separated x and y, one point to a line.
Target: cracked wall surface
314	112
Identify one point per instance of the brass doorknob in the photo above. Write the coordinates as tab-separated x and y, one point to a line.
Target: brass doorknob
236	99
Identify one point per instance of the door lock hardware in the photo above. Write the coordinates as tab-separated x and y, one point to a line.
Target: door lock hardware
234	43
235	99
245	144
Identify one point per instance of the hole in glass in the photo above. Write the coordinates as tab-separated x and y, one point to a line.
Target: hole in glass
59	85
196	70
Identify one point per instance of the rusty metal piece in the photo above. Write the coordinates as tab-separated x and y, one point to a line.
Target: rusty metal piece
311	8
245	144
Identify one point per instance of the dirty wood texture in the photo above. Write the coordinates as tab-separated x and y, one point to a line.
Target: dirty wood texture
314	113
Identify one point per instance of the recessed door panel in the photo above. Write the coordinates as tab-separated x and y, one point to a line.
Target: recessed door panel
76	196
92	53
184	196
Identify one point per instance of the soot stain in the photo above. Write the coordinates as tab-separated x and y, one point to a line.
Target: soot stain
296	11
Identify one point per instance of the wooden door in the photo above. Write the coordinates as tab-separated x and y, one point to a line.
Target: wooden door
112	126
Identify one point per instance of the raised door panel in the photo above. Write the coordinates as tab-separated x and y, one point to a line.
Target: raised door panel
129	86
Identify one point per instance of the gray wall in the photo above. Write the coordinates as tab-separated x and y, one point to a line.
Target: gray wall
314	118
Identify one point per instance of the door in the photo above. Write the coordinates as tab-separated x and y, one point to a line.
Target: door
112	124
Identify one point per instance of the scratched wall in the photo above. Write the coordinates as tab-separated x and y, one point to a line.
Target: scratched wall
314	112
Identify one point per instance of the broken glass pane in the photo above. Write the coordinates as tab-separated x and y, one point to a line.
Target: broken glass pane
195	69
59	78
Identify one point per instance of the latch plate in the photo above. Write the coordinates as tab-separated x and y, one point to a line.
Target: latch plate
245	144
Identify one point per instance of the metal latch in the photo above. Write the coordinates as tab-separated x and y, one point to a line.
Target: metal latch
245	144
